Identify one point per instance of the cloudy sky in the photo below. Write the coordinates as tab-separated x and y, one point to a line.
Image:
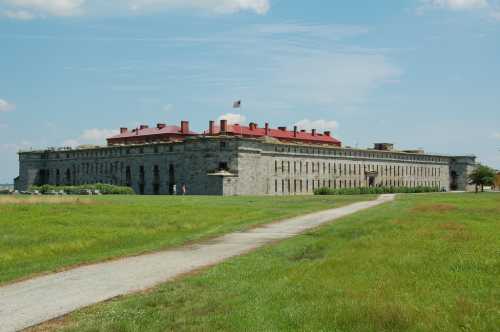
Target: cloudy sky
419	73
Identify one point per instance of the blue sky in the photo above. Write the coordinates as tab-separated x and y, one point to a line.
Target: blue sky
421	73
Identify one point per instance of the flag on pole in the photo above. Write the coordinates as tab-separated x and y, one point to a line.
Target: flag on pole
237	104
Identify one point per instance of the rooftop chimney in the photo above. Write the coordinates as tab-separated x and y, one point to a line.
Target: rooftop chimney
211	128
302	130
141	127
282	128
294	131
184	127
223	126
267	129
161	126
123	130
327	133
253	126
314	132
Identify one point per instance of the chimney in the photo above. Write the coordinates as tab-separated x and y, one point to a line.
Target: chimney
253	126
123	130
267	129
314	132
327	133
184	127
223	126
282	128
141	127
302	130
161	126
211	128
294	131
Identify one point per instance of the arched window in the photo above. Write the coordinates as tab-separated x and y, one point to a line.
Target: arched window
156	180
128	177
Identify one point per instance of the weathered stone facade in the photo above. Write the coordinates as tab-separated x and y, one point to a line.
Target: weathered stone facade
224	165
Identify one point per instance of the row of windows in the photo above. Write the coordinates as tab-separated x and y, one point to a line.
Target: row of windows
299	167
357	153
307	186
110	152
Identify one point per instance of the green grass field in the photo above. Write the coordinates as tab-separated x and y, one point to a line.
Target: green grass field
423	263
42	234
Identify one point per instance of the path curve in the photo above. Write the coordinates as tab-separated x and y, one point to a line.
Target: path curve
37	300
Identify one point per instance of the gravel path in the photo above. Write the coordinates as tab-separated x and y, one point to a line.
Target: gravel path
34	301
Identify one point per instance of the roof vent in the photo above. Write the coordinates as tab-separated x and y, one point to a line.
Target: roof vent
282	128
384	146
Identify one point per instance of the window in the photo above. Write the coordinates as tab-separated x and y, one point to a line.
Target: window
156	180
222	145
223	166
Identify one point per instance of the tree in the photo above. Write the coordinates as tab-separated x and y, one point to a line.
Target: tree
482	176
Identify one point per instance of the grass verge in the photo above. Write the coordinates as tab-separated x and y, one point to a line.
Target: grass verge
48	233
423	263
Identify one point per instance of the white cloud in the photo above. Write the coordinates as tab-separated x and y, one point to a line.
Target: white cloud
5	106
22	15
320	125
98	134
91	136
29	9
330	78
24	145
71	143
455	4
233	118
44	7
168	108
495	15
260	7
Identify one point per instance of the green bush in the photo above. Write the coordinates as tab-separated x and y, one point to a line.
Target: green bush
374	190
105	189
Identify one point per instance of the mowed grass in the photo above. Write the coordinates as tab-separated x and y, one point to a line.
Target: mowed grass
423	263
43	234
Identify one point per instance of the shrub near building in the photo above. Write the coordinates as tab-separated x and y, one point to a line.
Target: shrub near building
105	189
374	190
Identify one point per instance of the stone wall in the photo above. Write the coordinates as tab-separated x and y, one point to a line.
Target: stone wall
250	167
278	169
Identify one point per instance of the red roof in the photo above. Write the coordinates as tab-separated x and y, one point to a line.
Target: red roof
281	134
167	130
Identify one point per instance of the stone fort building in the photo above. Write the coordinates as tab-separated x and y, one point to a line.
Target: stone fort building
238	160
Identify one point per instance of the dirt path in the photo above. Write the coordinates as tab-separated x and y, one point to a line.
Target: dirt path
34	301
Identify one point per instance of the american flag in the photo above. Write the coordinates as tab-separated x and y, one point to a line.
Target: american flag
237	104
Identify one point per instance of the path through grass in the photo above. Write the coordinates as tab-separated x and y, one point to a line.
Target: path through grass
41	234
423	263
